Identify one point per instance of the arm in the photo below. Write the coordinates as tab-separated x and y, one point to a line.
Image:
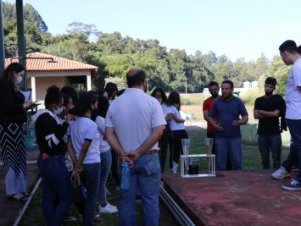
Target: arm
242	121
174	116
216	126
83	151
71	151
148	143
115	144
205	115
268	114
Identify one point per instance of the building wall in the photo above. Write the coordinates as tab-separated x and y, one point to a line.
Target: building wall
43	83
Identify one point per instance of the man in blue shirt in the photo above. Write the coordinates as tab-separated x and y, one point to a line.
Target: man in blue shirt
227	114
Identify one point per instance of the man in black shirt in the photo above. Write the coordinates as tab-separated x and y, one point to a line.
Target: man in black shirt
268	109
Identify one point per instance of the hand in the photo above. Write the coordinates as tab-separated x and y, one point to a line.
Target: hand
125	158
134	155
168	117
256	113
236	123
27	104
69	118
218	127
78	168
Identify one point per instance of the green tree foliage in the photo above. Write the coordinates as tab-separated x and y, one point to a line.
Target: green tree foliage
115	54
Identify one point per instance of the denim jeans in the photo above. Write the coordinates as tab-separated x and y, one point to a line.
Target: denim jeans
90	181
55	183
291	159
295	131
267	143
145	176
225	147
105	166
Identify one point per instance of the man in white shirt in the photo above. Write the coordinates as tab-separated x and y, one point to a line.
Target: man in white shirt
290	56
134	123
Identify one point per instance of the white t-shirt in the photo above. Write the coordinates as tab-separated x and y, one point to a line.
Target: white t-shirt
83	128
172	123
103	144
293	92
133	115
165	109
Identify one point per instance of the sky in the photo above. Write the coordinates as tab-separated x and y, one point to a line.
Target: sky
237	28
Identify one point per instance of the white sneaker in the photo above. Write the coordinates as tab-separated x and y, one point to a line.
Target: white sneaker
174	167
280	173
107	209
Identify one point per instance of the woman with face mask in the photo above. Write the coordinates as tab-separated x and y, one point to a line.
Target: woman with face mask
50	131
12	118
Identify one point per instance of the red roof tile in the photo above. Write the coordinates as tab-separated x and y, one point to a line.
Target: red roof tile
44	62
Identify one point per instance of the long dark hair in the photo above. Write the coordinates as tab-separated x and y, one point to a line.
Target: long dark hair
103	106
8	73
174	99
164	97
83	105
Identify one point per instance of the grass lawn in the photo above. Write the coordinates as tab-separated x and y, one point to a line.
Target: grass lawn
251	161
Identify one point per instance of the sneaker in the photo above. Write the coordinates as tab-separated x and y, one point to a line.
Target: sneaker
294	185
280	173
107	209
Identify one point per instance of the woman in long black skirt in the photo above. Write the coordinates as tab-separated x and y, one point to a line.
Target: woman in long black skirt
12	117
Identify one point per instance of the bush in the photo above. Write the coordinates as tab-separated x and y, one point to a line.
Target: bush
249	96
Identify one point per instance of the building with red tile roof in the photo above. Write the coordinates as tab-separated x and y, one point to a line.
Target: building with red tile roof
44	70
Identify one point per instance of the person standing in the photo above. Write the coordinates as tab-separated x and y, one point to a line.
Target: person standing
12	118
290	56
83	146
160	95
177	129
207	104
227	114
134	124
50	132
268	109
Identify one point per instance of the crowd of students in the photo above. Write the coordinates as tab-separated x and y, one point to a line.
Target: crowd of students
76	158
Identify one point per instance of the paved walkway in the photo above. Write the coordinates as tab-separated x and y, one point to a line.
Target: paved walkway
8	208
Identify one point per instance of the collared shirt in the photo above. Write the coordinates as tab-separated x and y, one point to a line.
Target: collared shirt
225	112
293	92
133	115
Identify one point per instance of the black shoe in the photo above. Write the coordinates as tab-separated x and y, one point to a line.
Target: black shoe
294	185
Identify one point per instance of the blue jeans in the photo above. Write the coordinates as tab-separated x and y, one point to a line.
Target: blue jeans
145	176
225	147
295	131
105	166
90	180
267	143
55	183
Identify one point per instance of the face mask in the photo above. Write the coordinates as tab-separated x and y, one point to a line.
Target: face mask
19	79
58	111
